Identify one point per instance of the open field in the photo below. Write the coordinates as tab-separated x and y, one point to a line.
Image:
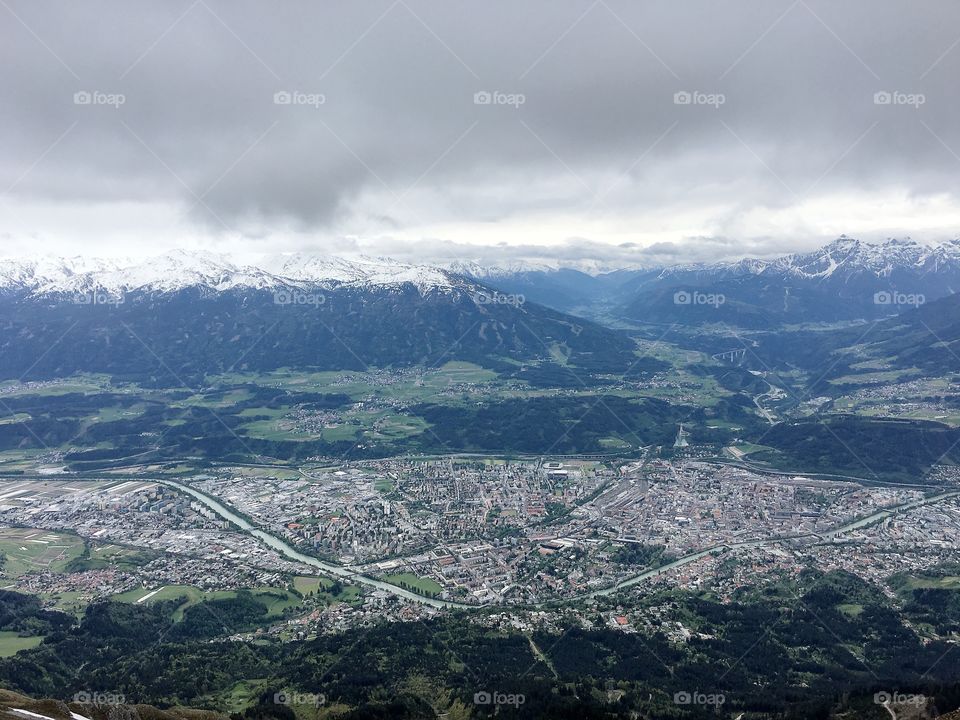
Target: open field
11	643
276	599
83	383
68	602
412	384
241	696
20	460
357	424
320	587
417	584
877	377
31	550
114	413
214	401
305	584
947	582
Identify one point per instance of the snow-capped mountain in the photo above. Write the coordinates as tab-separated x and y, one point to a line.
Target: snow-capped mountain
481	271
179	270
842	257
836	281
358	272
844	280
182	316
42	271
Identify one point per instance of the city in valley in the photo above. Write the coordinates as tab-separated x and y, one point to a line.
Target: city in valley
413	360
525	541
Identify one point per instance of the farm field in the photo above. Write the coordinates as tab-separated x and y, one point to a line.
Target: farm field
31	550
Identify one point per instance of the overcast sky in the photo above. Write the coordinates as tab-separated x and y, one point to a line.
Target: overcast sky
618	131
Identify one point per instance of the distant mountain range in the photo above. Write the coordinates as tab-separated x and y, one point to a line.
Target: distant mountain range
176	319
192	314
924	340
844	280
181	270
843	268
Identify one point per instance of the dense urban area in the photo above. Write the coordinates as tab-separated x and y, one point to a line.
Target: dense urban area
410	537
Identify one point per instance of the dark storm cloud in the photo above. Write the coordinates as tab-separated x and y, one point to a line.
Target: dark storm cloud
383	131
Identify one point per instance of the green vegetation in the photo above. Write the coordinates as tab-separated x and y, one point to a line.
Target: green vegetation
325	590
31	550
24	622
851	609
273	600
72	602
876	377
293	415
638	554
307	584
98	556
12	643
945	582
384	485
423	586
569	425
816	646
902	450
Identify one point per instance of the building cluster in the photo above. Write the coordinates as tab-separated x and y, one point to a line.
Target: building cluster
500	532
191	545
929	398
494	532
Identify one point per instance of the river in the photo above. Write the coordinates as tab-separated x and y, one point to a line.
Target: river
292	553
340	571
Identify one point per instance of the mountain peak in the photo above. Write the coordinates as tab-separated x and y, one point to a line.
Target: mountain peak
842	244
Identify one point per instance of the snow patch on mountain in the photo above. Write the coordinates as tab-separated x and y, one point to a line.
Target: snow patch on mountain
180	269
492	272
358	272
840	260
843	257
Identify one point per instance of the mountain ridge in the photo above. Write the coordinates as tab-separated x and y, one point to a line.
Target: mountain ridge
846	279
179	270
46	274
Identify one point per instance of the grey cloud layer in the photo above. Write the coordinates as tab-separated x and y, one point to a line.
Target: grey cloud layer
399	141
